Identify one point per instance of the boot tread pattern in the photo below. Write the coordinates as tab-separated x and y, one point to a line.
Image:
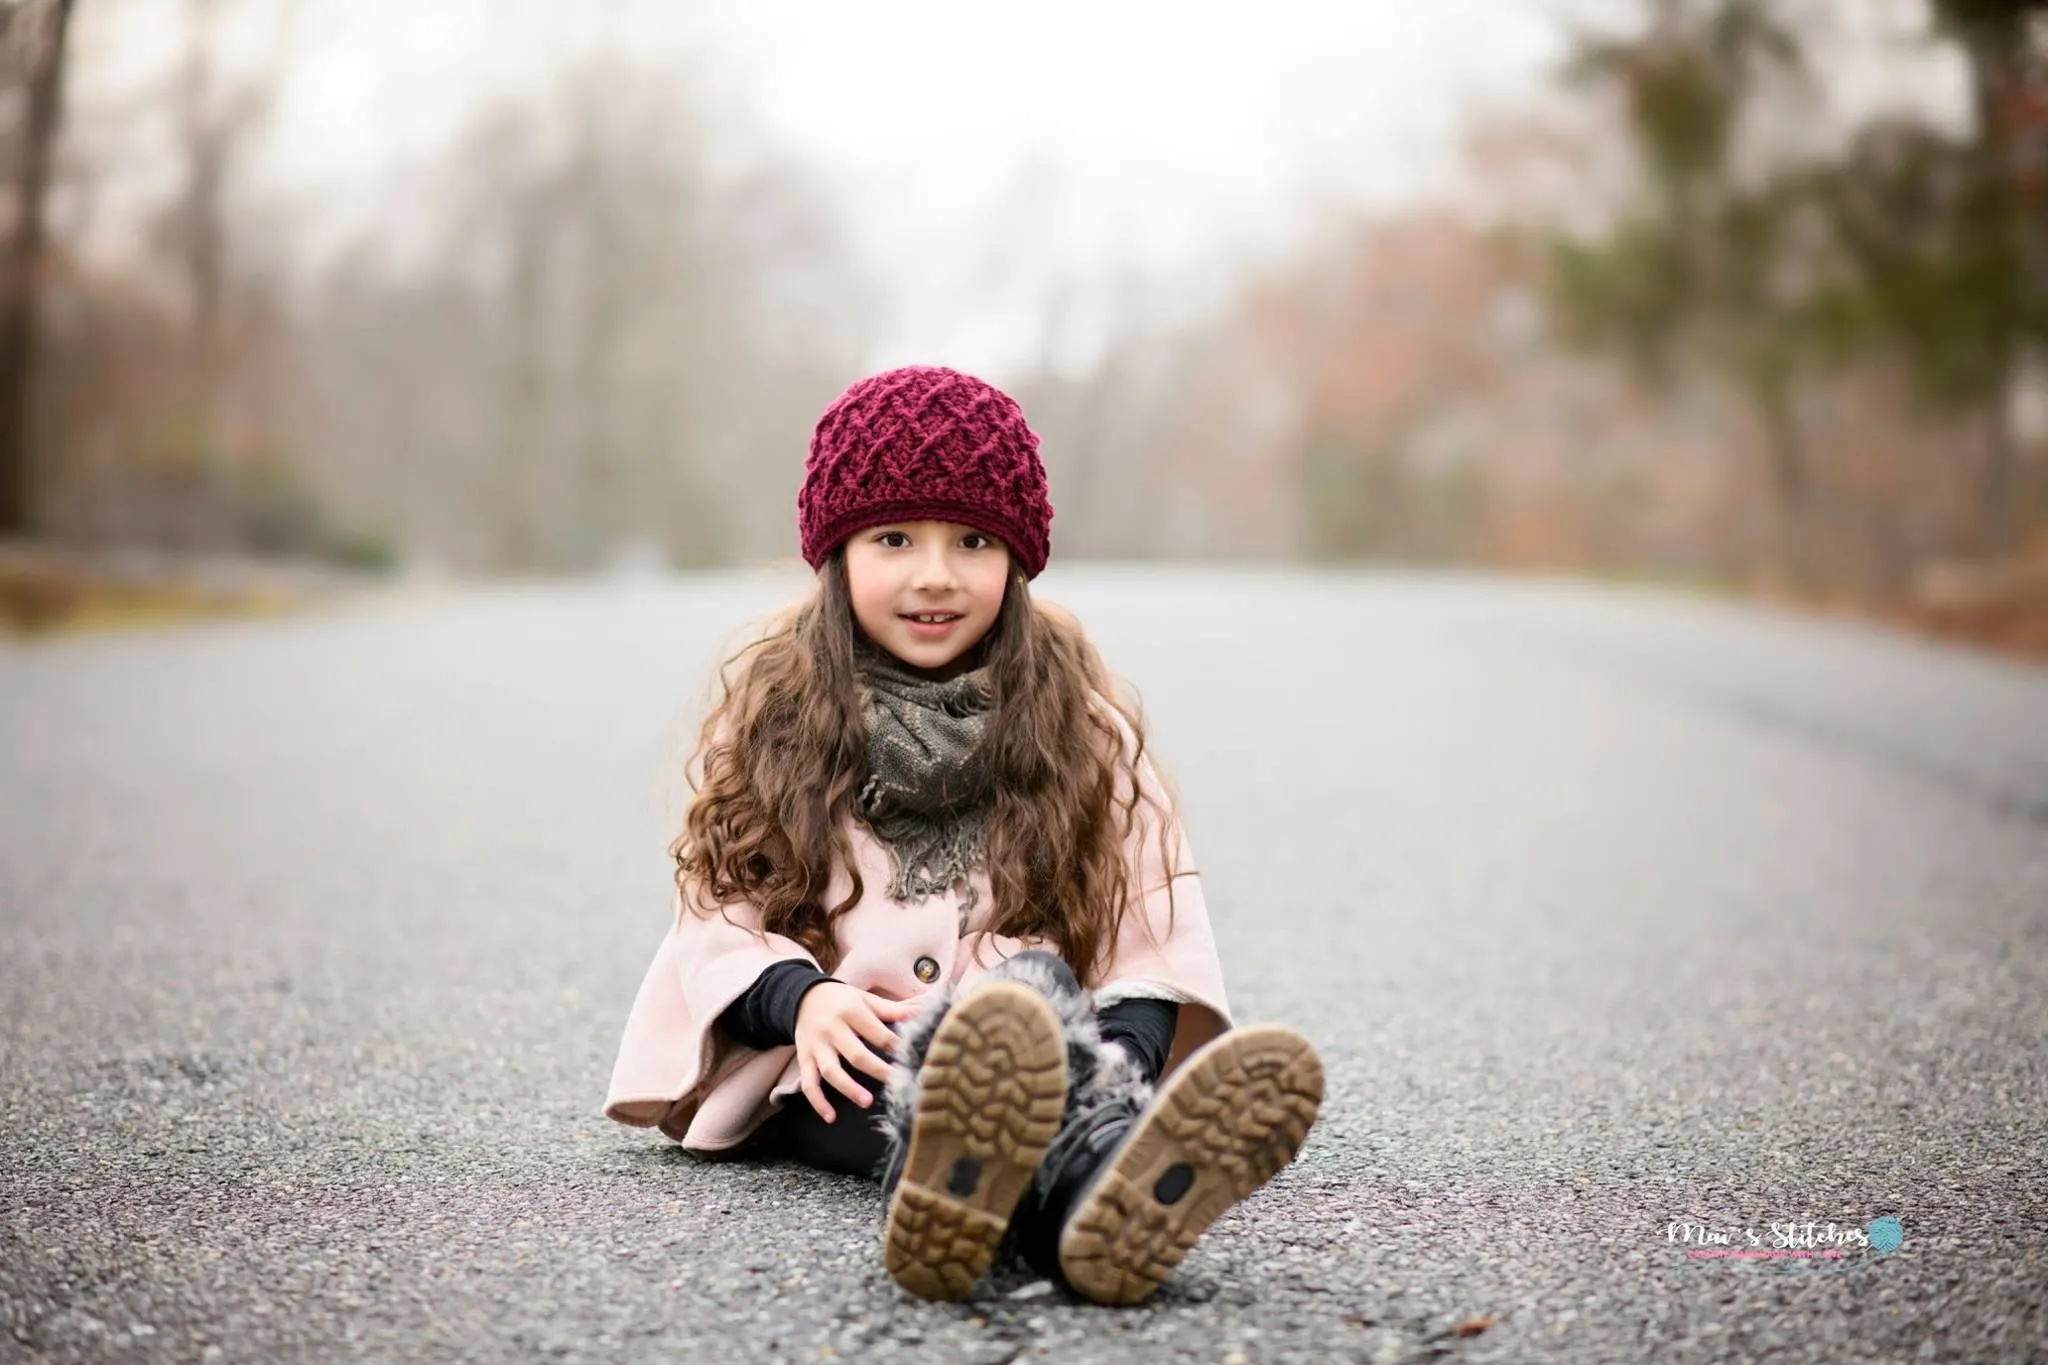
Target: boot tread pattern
1234	1114
989	1100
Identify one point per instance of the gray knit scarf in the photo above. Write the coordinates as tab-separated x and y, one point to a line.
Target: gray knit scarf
926	792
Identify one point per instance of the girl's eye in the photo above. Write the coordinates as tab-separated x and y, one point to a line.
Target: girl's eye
890	538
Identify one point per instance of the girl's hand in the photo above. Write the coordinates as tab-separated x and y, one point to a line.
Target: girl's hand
837	1023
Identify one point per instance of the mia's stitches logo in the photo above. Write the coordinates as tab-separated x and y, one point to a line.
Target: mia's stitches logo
1789	1248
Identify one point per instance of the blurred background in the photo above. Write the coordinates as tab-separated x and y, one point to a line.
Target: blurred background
1749	295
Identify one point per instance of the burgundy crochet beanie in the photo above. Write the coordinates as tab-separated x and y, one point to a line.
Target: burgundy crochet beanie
925	443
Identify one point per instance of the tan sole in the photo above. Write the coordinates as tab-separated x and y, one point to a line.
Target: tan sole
1224	1124
989	1101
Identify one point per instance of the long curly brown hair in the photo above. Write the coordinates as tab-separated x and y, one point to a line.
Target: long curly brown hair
782	749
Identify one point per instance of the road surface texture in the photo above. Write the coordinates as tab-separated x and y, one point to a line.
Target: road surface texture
1609	911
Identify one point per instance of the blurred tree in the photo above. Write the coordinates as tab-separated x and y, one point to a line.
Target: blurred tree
593	210
165	349
217	120
1948	238
605	337
32	36
1933	276
1710	267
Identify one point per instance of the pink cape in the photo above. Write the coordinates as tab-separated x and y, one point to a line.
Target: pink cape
676	1073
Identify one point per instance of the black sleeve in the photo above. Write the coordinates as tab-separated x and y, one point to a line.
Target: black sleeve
765	1016
1144	1027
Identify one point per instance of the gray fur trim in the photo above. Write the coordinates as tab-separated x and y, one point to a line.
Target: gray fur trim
899	1092
1097	1071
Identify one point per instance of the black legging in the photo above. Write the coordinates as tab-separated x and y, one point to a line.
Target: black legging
852	1144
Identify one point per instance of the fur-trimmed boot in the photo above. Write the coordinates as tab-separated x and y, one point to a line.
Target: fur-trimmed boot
973	1099
1134	1177
1129	1187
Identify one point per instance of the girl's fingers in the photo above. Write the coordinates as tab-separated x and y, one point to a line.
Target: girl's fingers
864	1057
813	1092
872	1029
894	1011
836	1075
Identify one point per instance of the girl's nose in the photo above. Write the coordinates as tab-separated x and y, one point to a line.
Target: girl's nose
935	570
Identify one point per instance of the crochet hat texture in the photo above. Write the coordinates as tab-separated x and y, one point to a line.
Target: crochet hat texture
925	443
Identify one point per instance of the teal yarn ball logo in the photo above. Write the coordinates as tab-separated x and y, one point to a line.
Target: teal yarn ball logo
1885	1235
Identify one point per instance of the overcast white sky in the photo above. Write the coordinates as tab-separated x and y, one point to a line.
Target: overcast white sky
1174	135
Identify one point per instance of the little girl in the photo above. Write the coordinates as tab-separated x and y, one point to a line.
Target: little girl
927	850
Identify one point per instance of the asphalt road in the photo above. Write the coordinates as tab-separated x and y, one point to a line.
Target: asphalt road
1608	911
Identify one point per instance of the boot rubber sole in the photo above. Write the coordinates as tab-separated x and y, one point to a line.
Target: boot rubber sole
989	1100
1223	1125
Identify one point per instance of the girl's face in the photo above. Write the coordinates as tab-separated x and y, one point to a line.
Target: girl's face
903	569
